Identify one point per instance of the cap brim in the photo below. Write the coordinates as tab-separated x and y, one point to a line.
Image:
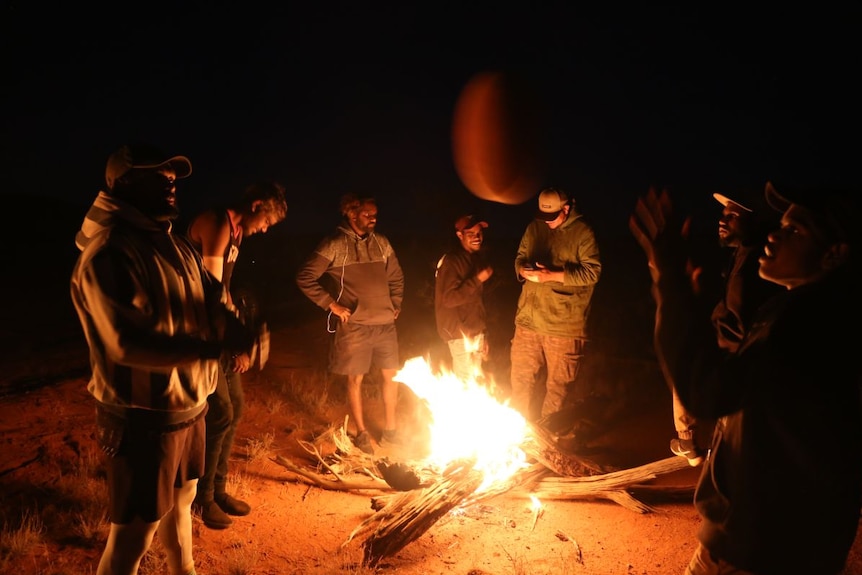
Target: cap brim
724	200
181	165
471	225
775	200
547	216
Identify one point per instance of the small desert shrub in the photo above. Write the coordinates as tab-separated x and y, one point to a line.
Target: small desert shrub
155	561
85	482
19	538
257	449
91	525
563	565
310	393
238	484
343	562
274	405
83	487
241	559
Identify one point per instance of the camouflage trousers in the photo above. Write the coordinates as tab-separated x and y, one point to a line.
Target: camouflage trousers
530	352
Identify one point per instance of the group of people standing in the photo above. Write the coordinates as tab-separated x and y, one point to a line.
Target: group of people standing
158	326
781	486
772	368
558	265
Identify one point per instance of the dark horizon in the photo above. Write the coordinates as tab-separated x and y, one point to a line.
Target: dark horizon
337	98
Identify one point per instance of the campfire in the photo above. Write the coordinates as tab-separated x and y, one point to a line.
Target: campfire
478	448
467	423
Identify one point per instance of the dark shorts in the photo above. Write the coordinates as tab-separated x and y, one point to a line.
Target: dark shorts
357	347
146	463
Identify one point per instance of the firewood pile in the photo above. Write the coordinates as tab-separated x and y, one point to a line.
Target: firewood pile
408	497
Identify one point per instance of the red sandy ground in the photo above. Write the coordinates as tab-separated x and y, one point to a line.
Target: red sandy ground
298	529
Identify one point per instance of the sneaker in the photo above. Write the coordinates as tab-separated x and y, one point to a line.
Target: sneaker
232	505
213	516
363	442
392	436
687	448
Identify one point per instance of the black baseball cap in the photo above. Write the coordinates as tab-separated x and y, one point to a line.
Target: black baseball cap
836	210
142	156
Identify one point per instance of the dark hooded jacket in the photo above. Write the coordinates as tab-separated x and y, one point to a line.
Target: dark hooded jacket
559	309
780	490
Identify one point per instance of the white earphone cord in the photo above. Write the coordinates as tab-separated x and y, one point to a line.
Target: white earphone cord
340	291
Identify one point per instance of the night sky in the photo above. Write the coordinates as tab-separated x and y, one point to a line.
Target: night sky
330	98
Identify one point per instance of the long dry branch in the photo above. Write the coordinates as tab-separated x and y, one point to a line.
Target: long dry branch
542	447
615	486
410	514
553	487
339	484
424	498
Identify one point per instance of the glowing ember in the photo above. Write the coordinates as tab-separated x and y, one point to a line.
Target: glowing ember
468	423
538	509
535	504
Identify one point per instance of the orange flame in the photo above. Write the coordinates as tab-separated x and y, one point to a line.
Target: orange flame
468	423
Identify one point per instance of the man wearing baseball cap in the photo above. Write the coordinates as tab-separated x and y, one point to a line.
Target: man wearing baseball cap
459	306
558	263
781	490
742	227
150	314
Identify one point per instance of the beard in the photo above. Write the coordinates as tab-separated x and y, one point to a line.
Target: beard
161	211
729	240
160	207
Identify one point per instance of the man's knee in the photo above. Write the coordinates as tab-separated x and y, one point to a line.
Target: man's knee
131	540
185	493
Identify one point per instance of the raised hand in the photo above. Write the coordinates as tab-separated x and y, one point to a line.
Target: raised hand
654	226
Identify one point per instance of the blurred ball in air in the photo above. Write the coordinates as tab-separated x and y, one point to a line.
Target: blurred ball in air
498	138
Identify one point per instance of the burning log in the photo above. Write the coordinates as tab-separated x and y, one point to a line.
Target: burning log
401	518
404	517
410	514
532	473
485	448
544	449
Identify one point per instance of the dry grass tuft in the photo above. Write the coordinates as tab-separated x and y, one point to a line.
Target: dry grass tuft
274	404
241	558
21	537
310	393
261	448
239	484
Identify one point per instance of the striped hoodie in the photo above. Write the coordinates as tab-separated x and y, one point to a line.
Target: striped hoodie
148	310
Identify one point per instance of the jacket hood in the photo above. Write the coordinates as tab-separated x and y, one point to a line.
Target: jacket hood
106	212
350	233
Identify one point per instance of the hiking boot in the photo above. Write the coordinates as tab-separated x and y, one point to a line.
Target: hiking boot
213	516
232	505
363	442
392	436
688	449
